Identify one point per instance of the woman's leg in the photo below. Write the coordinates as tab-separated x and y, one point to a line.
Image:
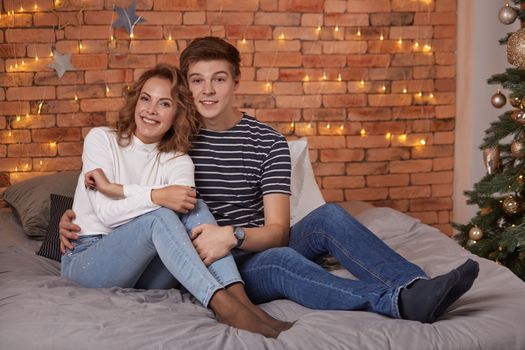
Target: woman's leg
120	258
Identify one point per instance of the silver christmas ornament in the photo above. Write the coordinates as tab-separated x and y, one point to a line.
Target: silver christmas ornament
475	233
507	14
498	100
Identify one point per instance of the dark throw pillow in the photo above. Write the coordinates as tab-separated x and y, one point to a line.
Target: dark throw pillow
50	247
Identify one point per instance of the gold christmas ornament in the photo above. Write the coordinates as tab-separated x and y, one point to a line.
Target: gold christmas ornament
516	49
498	100
517	148
511	205
485	211
519	116
507	14
491	159
515	102
475	233
471	242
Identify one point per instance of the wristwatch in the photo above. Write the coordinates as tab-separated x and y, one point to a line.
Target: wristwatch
238	232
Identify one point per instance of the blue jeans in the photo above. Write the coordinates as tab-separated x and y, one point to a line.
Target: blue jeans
151	251
290	272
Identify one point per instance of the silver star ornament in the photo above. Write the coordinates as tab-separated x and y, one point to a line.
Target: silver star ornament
61	63
127	18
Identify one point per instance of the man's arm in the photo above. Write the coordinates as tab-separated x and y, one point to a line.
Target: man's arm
213	242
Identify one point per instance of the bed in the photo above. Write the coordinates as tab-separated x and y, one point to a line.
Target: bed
39	310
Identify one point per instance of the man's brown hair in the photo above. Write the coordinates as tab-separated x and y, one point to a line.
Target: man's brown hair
211	48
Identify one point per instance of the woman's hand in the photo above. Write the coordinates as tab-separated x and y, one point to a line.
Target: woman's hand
67	230
97	180
178	198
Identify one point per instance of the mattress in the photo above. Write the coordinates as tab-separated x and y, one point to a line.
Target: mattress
39	310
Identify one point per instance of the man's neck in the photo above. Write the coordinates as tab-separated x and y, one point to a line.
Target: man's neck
223	124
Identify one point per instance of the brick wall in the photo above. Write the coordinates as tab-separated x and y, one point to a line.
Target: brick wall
368	82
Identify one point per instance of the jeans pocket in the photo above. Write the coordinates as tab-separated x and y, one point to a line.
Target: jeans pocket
83	243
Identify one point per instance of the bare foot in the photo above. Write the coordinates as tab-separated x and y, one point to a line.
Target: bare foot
232	312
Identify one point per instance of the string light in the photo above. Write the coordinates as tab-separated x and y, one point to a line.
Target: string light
358	32
342	127
281	37
40	106
328	125
36	6
381	37
36	58
170	38
400	41
420	94
362	83
362	132
324	75
388	136
309	126
416	45
80	46
318	29
17	118
76	98
244	40
422	142
404	90
306	78
383	88
427	48
131	35
402	138
339	78
336	28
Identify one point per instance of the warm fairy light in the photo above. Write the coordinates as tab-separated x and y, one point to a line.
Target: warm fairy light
11	67
324	75
21	8
318	29
388	136
17	118
36	6
381	37
9	133
358	32
52	143
427	48
107	88
309	126
402	138
431	95
27	166
28	116
170	38
111	37
281	37
336	28
244	40
342	127
306	78
131	35
16	65
362	83
420	94
416	45
328	125
292	125
404	90
400	41
339	78
41	162
23	62
76	98
362	132
51	54
40	106
422	142
383	88
268	85
36	58
80	46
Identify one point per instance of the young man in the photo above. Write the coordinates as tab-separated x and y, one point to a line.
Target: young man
242	170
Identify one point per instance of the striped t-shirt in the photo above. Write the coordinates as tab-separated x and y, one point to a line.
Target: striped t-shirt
236	167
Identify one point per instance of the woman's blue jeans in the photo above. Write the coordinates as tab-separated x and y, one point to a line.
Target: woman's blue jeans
290	272
151	251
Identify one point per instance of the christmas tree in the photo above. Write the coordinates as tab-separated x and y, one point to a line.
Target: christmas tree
497	232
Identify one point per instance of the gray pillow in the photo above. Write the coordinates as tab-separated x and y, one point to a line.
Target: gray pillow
30	199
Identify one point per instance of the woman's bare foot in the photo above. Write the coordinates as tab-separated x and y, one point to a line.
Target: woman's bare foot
232	312
237	290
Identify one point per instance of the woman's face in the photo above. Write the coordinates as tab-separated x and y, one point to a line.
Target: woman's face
155	110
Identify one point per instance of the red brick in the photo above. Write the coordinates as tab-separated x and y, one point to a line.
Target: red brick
326	142
365	6
343	182
15	164
152	46
301	5
433	151
368	60
409	192
57	164
393	180
30	93
426	217
31	150
34	122
329	87
343	47
332	196
389	100
293	88
383	154
436	177
427	204
443	163
16	79
230	18
411	166
14	136
269	5
278	115
346	100
442	190
277	19
277	59
251	32
55	135
290	101
435	18
367	168
179	5
101	105
290	33
70	148
191	18
324	169
277	45
231	5
254	101
334	6
131	61
342	155
29	35
56	106
346	20
10	50
366	194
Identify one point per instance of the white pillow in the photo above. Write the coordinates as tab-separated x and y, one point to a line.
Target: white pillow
306	195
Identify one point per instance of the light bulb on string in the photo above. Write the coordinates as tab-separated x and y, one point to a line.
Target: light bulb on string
170	38
107	89
388	135
422	142
40	106
416	45
358	32
342	127
402	138
131	35
381	37
36	58
243	40
318	29
306	78
336	29
324	75
362	132
328	125
400	41
36	6
309	126
17	118
339	78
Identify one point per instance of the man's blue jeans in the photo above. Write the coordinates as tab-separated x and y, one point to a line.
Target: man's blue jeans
137	254
290	272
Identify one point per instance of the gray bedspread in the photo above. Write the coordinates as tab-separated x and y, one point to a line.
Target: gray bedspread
39	310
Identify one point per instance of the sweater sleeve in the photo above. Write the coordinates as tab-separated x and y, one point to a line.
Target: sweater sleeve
98	153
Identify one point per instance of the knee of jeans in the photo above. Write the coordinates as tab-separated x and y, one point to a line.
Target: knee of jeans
164	213
279	253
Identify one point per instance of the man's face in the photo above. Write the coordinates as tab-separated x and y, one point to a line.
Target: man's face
213	87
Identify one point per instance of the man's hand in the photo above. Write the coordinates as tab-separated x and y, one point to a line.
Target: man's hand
68	230
178	198
213	242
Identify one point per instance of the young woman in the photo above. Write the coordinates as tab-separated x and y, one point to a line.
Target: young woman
136	205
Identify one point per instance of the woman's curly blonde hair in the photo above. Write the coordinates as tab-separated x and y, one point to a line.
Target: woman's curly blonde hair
186	123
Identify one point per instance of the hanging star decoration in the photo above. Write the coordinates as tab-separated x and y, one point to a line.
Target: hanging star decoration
61	63
127	17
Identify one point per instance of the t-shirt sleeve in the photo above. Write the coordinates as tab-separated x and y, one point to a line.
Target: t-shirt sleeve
181	171
277	168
